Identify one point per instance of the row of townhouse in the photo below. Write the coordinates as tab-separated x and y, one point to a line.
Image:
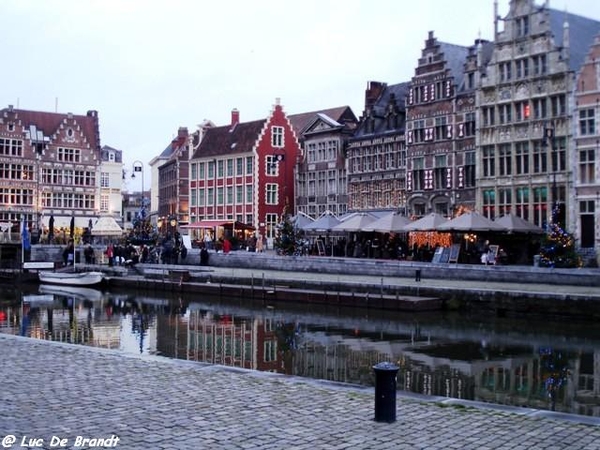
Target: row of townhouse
508	125
502	126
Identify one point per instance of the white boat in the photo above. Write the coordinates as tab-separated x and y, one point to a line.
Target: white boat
71	278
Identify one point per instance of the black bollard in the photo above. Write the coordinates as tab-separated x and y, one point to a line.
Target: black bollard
385	392
418	275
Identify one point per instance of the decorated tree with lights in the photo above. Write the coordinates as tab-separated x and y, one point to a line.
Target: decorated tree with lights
285	239
558	246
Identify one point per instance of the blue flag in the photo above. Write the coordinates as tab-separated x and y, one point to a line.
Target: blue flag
25	236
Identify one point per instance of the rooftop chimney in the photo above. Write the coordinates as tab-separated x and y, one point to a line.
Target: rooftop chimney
182	132
235	117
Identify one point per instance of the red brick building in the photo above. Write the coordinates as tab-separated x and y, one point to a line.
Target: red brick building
242	176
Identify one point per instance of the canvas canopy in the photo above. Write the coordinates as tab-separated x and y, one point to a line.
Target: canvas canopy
106	226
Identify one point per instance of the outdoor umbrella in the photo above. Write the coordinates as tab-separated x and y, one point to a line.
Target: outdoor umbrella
355	223
516	224
324	223
471	221
429	222
72	227
390	223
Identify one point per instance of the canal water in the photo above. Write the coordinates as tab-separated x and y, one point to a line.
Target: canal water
543	363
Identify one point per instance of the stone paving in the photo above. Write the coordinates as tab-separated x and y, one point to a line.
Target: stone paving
52	391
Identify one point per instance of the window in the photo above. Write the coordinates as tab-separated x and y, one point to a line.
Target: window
522	158
557	103
587	213
440	172
539	108
270	225
201	197
522	202
488	114
249	165
220	168
271	197
504	114
586	122
489	203
229	193
211	170
418	174
104	179
587	168
505	71
104	202
230	167
239	166
504	160
249	194
201	171
470	169
539	64
504	201
193	197
277	137
210	197
489	165
440	128
540	158
540	204
521	111
522	66
193	171
522	26
271	165
239	194
469	129
68	155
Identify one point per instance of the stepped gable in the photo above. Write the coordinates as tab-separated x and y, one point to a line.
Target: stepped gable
49	123
225	140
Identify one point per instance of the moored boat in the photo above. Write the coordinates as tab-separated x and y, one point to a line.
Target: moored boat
72	278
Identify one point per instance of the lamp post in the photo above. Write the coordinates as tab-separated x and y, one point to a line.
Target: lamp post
138	166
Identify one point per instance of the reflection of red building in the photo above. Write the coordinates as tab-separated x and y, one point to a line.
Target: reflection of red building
233	341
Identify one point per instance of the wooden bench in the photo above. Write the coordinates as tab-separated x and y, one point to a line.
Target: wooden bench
39	265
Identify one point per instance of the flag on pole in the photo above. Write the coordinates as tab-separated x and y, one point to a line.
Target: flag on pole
25	236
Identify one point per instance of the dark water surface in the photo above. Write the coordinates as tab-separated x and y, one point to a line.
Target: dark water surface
544	363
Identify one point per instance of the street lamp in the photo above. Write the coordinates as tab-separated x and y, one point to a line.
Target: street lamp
138	166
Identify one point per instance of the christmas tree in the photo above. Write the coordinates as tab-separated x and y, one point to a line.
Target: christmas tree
558	247
285	239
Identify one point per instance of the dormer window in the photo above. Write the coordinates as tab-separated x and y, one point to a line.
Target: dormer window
11	126
70	132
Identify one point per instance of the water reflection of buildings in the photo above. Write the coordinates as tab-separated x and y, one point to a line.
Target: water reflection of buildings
461	362
201	335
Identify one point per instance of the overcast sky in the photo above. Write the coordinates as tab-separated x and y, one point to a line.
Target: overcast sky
149	67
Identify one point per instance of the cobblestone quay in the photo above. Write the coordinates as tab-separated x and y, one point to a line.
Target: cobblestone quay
57	395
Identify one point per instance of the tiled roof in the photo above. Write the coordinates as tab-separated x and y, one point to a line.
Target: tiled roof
455	57
399	92
225	141
582	32
49	123
302	120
